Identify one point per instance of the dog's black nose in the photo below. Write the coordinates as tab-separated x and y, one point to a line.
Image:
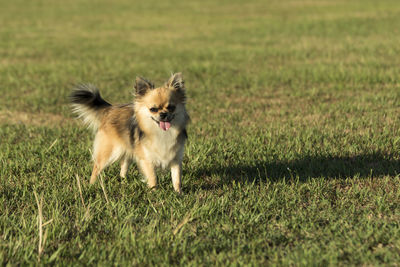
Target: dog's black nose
163	115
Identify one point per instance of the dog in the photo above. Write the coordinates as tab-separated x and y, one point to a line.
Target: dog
151	130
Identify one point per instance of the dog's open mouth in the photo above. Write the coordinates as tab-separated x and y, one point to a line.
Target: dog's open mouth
164	125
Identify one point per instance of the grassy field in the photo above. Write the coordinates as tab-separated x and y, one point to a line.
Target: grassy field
294	146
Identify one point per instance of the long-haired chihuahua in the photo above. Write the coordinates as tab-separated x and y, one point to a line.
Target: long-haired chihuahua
151	130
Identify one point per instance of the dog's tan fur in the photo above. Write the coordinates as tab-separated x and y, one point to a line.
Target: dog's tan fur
133	131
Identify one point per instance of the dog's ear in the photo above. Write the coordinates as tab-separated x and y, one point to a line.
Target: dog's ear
176	81
142	86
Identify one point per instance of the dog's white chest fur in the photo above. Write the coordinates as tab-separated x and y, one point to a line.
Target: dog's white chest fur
164	147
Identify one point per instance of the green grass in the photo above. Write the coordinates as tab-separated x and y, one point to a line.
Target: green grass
294	147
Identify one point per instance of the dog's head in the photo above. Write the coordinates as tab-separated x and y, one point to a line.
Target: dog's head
163	106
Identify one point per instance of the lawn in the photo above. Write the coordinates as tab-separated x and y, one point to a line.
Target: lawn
293	155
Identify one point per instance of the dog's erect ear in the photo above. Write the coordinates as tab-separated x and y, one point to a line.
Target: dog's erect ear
142	85
176	81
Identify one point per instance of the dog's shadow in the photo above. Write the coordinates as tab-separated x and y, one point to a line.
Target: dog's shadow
362	166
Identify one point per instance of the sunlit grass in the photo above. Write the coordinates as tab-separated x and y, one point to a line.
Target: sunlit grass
293	152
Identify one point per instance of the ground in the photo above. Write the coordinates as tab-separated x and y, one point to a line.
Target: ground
293	155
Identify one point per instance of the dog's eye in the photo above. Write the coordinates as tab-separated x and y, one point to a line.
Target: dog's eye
154	109
171	108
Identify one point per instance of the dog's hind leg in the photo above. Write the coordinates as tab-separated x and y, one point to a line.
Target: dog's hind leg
100	162
96	171
105	153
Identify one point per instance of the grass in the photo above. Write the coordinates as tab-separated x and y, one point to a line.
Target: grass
294	147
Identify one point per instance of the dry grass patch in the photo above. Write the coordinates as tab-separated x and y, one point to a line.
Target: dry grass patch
34	119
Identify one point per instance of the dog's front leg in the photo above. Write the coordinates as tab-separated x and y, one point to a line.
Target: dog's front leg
124	166
176	174
149	172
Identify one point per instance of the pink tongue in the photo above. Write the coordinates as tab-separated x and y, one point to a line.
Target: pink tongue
165	125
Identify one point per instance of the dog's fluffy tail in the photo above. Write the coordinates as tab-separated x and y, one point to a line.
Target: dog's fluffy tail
88	104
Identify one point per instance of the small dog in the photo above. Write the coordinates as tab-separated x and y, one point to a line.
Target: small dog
151	130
